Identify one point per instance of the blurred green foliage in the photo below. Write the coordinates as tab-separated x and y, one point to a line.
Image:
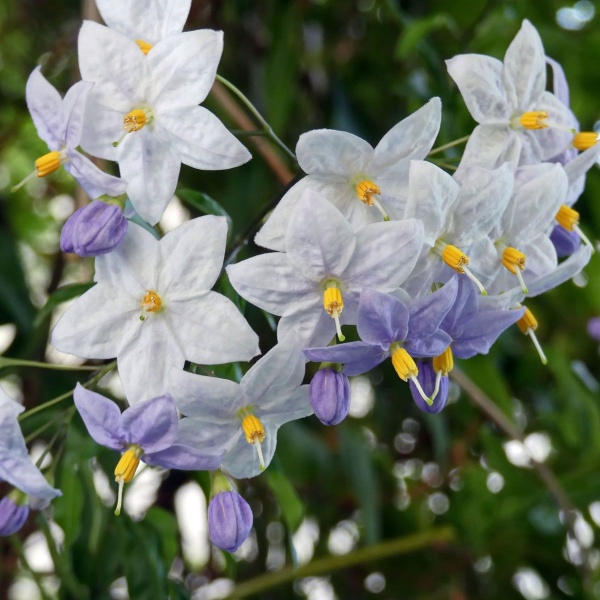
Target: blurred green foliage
360	66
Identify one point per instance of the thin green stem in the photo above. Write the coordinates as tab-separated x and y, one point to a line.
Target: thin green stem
245	133
403	545
20	550
18	362
267	128
91	382
461	140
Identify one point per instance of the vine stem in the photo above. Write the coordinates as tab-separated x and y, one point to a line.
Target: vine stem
549	479
461	140
17	362
95	379
328	564
267	128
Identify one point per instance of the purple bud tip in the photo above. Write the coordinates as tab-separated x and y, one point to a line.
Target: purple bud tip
427	377
12	516
593	328
93	230
329	394
229	520
565	242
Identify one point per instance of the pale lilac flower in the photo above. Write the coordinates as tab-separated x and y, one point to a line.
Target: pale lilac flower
59	122
435	388
94	229
329	394
13	513
143	111
363	183
152	308
229	520
593	328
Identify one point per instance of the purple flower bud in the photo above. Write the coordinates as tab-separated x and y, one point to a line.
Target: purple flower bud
427	377
329	394
565	242
593	328
12	515
94	229
229	520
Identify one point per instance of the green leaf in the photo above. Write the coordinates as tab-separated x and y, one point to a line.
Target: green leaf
417	30
62	294
292	508
205	204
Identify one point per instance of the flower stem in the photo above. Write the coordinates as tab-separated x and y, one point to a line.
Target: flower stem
402	545
267	128
18	362
461	140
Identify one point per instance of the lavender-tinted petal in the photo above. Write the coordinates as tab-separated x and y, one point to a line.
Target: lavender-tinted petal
185	458
428	346
593	328
382	318
427	314
152	424
93	230
329	394
12	516
91	178
464	307
565	241
101	416
427	378
359	357
229	520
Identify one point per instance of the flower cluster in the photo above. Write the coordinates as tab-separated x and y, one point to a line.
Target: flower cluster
375	242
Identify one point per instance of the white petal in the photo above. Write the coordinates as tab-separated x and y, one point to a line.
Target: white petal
558	137
385	255
490	146
541	258
93	180
146	358
132	266
291	407
183	68
101	127
242	458
479	79
201	140
576	170
73	111
327	152
112	61
432	195
410	139
210	330
151	167
148	20
271	282
319	241
312	326
192	257
97	324
45	106
524	72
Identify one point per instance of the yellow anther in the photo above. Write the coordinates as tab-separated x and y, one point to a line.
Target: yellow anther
134	120
567	217
145	47
455	258
253	429
404	364
47	164
527	322
444	362
151	302
366	190
333	303
512	259
585	140
536	119
128	464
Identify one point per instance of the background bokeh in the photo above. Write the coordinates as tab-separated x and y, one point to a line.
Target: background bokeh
388	472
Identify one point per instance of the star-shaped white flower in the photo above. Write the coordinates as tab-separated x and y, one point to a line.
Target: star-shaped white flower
361	182
316	284
150	103
152	308
244	418
519	121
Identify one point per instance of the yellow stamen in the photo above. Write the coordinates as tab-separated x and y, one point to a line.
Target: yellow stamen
333	303
48	163
366	190
458	260
567	217
406	368
151	302
585	140
444	362
255	435
125	470
145	47
134	121
534	120
514	261
528	324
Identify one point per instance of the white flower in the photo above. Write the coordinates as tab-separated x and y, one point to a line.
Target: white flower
149	103
519	122
152	308
243	418
361	182
316	284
